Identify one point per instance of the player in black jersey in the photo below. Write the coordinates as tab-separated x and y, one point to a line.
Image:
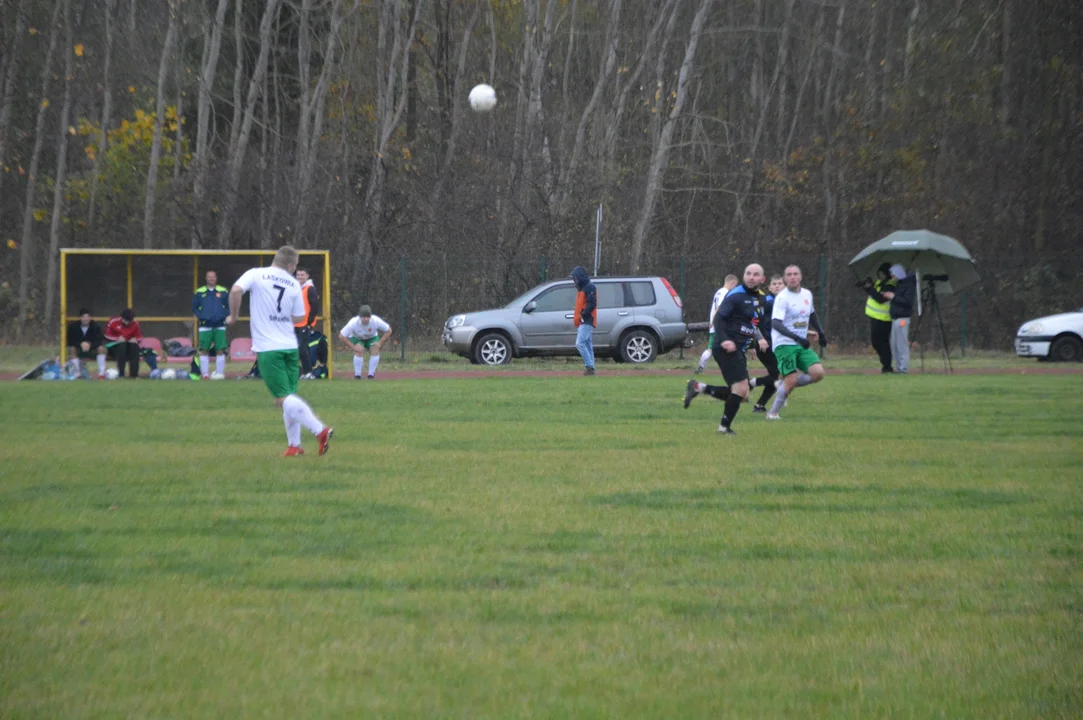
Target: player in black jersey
764	351
734	330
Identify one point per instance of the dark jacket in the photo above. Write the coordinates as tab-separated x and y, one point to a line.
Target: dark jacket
737	317
94	335
586	302
211	306
902	305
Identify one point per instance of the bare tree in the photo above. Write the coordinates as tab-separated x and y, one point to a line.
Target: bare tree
10	67
212	45
26	249
661	151
107	110
60	184
159	118
238	150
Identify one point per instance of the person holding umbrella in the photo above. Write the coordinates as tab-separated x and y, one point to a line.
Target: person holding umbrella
901	310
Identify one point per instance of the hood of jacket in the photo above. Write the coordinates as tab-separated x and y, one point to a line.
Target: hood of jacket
581	278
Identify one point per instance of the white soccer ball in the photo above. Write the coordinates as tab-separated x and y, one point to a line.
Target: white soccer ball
169	374
483	98
218	376
155	374
111	374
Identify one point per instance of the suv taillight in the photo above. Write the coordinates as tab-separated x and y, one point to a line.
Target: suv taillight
673	293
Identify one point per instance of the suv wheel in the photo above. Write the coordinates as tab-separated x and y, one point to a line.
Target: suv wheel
1067	349
492	349
638	346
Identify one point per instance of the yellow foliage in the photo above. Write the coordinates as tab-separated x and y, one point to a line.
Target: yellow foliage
40	215
79	50
12	244
45	103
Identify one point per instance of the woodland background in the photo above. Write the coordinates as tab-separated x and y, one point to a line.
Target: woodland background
712	133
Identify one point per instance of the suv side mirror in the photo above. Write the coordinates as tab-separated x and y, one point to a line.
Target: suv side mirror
530	307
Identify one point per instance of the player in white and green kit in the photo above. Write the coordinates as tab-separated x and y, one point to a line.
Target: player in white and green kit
792	316
719	296
275	306
365	333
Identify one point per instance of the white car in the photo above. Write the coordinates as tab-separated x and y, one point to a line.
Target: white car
1056	337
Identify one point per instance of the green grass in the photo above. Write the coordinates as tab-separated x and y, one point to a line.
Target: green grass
20	358
543	547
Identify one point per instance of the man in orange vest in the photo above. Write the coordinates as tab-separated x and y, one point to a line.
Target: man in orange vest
585	318
304	328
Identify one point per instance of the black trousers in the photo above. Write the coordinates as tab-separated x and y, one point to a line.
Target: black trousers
126	353
880	333
303	339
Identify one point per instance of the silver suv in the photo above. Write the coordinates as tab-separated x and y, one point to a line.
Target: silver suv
638	319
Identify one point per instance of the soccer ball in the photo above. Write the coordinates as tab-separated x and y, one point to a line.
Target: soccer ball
483	98
155	374
169	374
218	376
111	374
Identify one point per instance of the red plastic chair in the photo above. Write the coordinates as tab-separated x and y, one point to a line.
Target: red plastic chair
240	350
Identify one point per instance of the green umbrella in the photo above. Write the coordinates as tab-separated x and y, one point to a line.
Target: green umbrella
928	253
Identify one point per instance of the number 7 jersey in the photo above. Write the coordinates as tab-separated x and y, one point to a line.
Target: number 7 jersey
274	300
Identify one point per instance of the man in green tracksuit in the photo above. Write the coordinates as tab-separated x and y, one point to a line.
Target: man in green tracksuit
210	305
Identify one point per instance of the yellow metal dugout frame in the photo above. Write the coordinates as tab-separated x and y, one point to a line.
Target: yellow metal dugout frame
65	318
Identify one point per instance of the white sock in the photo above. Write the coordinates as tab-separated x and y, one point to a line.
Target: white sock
299	410
204	365
372	364
358	366
220	364
780	400
803	380
101	364
78	365
704	357
293	429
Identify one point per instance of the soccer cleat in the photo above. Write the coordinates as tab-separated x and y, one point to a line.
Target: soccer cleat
356	377
759	408
588	372
773	416
205	377
723	430
293	451
689	393
698	370
372	377
325	438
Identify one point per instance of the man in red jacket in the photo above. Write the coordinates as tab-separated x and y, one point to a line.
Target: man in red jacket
122	336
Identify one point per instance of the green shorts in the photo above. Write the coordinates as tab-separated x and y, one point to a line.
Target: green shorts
792	358
710	340
367	344
279	370
212	337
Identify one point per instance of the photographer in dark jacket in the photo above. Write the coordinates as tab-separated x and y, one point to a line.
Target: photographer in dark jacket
902	307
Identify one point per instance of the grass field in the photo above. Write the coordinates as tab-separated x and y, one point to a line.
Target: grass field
543	547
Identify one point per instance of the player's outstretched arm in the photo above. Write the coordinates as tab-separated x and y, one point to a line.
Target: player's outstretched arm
815	323
235	295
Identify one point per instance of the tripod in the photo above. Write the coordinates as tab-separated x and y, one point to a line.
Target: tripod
928	296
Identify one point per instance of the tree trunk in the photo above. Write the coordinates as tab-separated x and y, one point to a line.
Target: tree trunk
236	158
156	142
212	45
61	175
911	41
238	72
1005	68
178	157
836	59
107	112
662	149
26	249
609	63
9	86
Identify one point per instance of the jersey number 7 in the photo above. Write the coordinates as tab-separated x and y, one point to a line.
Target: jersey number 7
281	291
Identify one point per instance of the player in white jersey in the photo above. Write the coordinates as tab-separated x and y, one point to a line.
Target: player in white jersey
365	333
275	305
791	318
719	296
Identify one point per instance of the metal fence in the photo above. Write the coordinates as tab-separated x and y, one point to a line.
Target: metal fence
417	294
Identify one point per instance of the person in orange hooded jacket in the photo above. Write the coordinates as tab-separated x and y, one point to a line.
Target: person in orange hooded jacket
585	317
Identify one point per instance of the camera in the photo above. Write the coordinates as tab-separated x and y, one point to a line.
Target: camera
863	284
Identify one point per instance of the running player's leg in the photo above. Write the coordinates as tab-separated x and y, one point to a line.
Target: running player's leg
221	347
206	340
735	373
770	363
706	354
